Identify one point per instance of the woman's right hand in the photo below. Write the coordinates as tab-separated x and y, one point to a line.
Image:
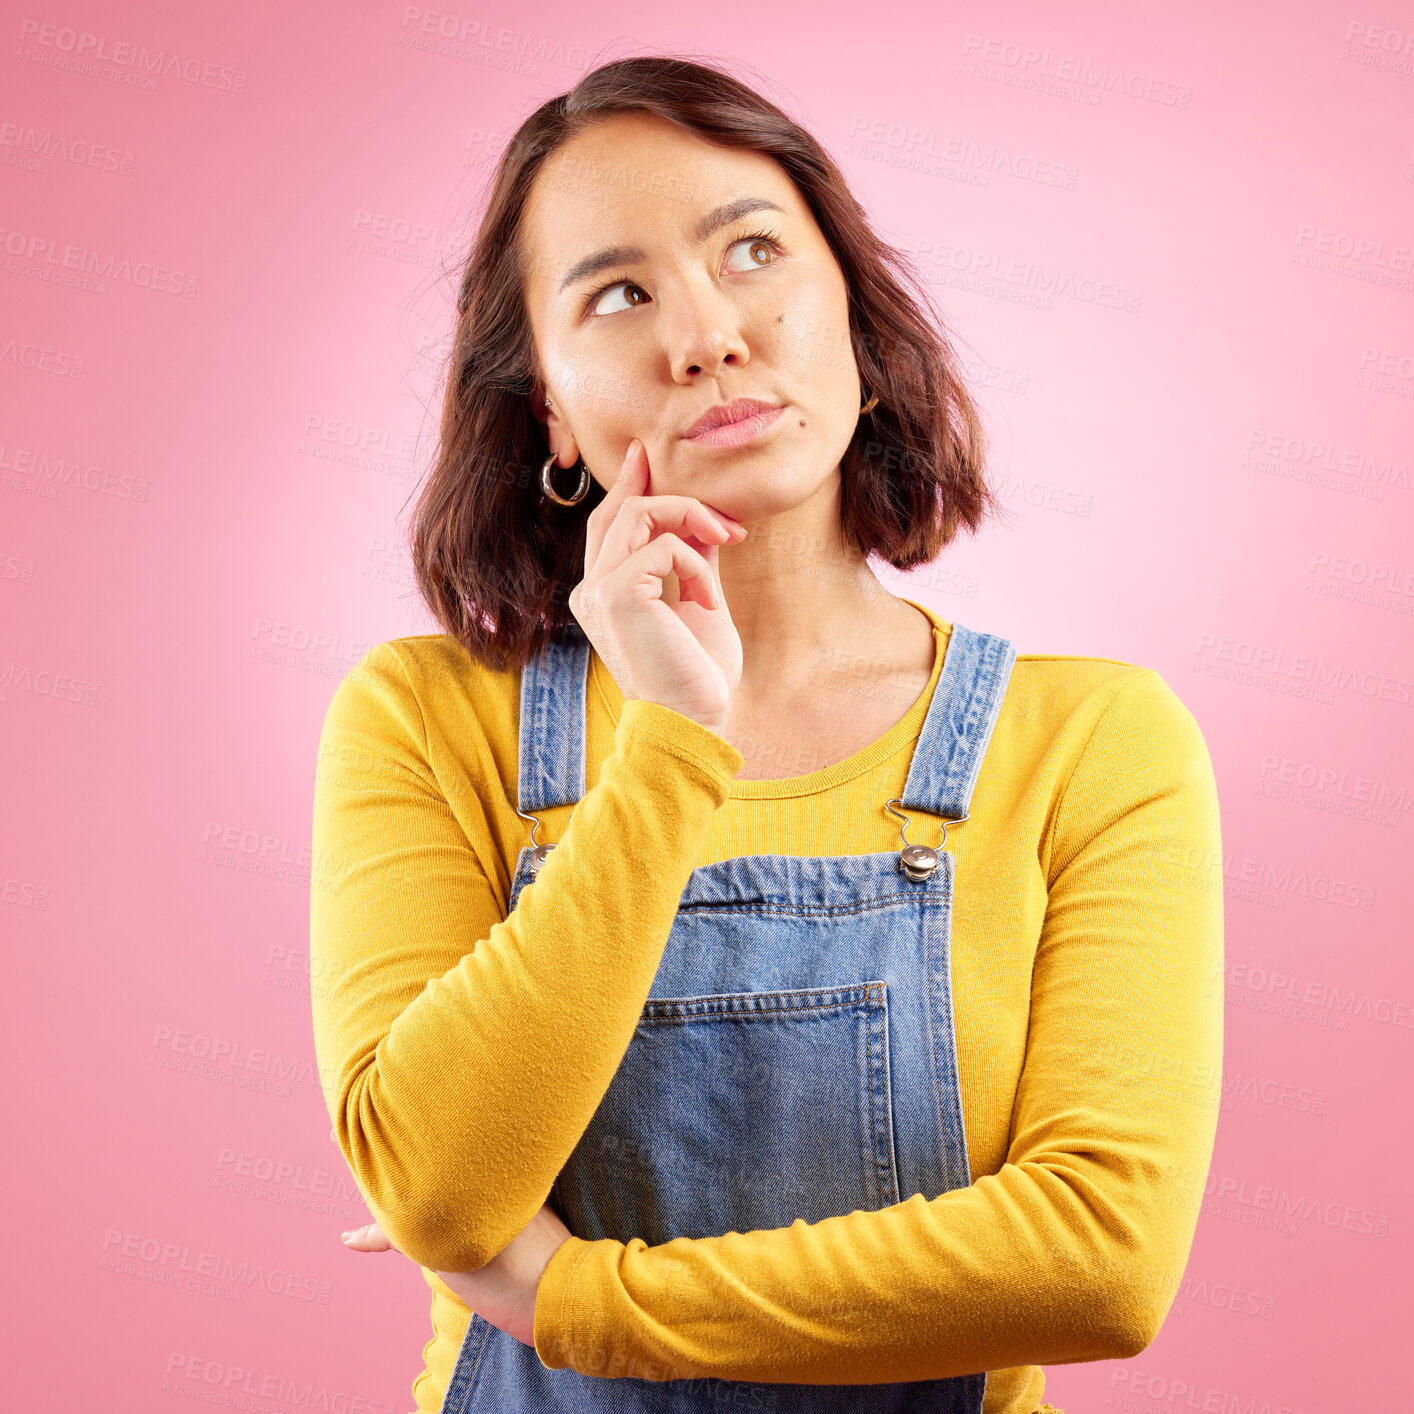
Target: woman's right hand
686	656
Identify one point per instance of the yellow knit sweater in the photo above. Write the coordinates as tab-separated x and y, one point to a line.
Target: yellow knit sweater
463	1053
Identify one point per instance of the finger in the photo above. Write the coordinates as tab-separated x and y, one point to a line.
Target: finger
632	479
643	517
669	554
369	1238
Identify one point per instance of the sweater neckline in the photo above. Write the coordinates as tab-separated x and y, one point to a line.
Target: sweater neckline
904	731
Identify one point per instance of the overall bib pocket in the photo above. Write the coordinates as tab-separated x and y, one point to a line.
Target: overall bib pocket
762	1107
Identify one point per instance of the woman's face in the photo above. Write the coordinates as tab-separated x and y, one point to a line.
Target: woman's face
651	300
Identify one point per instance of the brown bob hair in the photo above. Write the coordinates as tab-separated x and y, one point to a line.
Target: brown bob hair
494	559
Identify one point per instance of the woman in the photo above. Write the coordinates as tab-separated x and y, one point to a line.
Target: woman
727	972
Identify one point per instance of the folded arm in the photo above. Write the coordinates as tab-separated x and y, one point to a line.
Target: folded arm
1074	1249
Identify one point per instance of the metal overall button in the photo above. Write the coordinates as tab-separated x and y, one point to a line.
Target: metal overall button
918	861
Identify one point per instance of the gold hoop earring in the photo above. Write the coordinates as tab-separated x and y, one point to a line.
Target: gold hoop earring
869	405
580	491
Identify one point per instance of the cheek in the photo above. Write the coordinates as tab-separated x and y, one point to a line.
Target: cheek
810	334
602	395
563	377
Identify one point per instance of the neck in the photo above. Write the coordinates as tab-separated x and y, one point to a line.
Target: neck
801	600
796	619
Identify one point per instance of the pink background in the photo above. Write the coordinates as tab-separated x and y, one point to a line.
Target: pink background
204	480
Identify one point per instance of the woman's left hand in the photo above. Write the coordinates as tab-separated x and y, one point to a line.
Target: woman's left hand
503	1291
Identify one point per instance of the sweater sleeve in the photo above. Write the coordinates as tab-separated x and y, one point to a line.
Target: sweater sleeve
461	1052
1074	1249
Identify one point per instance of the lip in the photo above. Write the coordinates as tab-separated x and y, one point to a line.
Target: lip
739	421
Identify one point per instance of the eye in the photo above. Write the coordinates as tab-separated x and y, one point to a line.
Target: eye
593	302
758	239
752	242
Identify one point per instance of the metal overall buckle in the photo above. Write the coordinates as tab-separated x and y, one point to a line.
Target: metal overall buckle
537	851
918	861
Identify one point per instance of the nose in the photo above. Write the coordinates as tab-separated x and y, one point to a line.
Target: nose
705	335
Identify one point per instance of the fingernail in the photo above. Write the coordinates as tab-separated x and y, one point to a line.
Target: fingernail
347	1235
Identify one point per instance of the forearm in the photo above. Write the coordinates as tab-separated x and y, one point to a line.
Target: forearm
457	1115
1012	1270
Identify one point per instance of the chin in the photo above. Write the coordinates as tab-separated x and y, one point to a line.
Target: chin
758	502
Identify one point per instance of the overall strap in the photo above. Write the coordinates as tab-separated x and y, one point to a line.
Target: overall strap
966	703
946	760
552	734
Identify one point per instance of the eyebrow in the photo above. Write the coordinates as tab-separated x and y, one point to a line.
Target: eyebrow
714	220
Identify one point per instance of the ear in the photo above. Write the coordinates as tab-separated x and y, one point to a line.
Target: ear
562	444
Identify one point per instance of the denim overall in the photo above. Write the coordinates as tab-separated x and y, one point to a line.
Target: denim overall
795	1057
